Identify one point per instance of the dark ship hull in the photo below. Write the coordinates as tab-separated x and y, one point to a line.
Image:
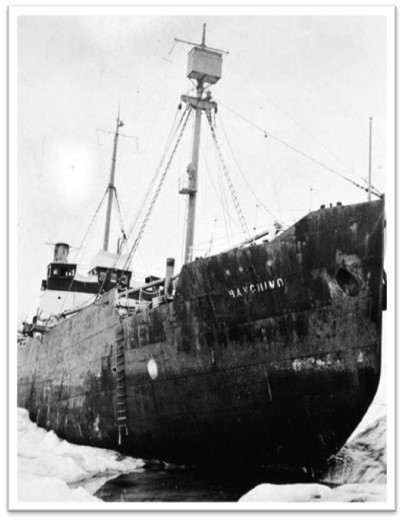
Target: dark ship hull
268	354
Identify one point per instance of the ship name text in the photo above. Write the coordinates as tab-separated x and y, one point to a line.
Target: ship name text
257	287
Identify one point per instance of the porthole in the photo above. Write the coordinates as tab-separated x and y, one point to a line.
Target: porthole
348	282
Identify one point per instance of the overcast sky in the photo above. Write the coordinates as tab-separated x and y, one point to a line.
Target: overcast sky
311	81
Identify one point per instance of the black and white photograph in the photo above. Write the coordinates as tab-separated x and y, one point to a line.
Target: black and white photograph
202	258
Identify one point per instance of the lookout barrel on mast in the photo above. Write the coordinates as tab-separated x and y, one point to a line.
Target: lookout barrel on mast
204	66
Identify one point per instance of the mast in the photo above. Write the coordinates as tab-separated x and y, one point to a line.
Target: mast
111	186
370	161
192	171
204	66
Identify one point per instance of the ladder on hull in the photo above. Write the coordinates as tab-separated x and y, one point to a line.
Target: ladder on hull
121	397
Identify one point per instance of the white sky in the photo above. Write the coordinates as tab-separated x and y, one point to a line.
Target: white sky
312	81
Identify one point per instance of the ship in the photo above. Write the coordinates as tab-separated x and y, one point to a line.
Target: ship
268	353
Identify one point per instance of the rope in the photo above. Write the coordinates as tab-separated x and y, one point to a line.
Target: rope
120	213
62	304
147	194
91	223
245	178
134	222
170	138
228	179
373	190
219	196
157	192
305	130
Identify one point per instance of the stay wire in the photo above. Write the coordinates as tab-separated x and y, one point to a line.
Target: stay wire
305	130
169	141
75	259
157	192
220	196
374	191
118	205
236	203
173	130
245	178
151	184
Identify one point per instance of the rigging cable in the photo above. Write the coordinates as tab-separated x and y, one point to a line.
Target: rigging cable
220	197
274	180
157	192
134	222
75	259
374	191
298	124
245	178
151	184
173	130
228	179
170	138
120	213
227	216
91	223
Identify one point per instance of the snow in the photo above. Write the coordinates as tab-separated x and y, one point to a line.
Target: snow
304	492
51	469
284	493
362	459
35	488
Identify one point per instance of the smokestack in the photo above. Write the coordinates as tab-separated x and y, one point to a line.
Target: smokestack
167	281
61	252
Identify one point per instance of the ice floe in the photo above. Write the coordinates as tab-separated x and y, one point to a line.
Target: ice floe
51	469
